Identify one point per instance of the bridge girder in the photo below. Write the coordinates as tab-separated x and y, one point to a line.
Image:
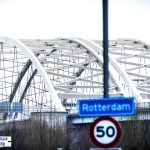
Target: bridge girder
71	68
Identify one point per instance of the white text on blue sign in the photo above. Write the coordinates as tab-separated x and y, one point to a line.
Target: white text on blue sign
106	107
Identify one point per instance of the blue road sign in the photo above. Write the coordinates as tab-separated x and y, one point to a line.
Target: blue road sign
11	107
116	106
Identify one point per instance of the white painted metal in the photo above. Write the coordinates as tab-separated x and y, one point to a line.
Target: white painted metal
114	64
72	68
38	66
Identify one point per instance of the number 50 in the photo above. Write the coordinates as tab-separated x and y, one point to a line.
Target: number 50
101	131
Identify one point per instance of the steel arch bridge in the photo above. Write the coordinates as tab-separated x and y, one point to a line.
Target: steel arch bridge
45	74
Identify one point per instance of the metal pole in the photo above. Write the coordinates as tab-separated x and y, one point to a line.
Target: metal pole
105	49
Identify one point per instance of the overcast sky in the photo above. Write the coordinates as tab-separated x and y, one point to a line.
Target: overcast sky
74	18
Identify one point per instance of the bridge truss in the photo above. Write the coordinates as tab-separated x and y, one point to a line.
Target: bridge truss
47	74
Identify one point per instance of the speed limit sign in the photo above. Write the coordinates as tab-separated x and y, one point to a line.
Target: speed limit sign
105	132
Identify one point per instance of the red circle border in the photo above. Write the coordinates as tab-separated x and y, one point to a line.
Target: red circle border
118	136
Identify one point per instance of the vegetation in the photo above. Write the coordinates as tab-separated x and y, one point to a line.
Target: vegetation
39	135
135	135
36	135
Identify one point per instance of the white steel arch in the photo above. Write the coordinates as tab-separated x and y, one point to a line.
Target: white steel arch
62	70
95	49
32	57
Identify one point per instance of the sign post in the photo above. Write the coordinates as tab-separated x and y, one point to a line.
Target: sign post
105	48
105	148
105	132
